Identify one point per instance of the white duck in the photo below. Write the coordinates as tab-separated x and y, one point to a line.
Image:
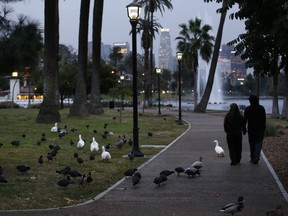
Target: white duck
198	164
94	146
81	142
218	149
234	207
54	129
105	154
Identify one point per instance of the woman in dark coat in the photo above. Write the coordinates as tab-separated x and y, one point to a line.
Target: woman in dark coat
234	126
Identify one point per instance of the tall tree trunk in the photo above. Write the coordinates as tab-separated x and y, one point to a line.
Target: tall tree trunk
202	106
49	112
79	107
275	107
285	102
95	105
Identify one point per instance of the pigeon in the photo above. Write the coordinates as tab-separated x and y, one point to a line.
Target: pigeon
1	170
74	173
150	134
135	180
80	160
40	159
15	142
130	172
218	149
179	170
22	168
23	135
64	182
64	171
63	132
160	179
120	142
192	171
89	178
92	156
234	207
166	172
131	155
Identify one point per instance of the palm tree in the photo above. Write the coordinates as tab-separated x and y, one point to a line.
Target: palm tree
49	112
148	27
115	55
195	39
79	107
202	106
95	106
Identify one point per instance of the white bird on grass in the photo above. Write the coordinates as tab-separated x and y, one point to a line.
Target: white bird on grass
94	146
81	142
105	154
234	207
218	149
54	129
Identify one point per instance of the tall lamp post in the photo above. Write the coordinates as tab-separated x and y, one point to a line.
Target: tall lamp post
179	56
122	77
133	12
158	71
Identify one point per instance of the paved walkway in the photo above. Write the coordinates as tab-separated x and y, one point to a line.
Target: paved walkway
203	195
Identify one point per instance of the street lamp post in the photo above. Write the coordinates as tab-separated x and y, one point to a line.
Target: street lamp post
133	12
122	77
158	71
179	56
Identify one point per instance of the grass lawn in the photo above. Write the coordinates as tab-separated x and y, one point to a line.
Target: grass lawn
37	188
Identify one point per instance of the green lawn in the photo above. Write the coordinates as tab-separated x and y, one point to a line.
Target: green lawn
38	187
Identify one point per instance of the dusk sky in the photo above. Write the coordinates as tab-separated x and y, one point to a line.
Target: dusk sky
116	26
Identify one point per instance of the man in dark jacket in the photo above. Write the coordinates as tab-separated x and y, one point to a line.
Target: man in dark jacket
255	116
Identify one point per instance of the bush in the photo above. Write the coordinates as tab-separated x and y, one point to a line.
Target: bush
8	104
271	129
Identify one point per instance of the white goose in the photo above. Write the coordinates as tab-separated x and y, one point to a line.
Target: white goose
218	149
81	142
234	207
105	154
198	164
54	129
94	146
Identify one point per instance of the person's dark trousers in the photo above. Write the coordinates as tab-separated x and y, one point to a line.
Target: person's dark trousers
235	147
255	142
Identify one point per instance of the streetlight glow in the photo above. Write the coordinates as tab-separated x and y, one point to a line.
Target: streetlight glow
133	11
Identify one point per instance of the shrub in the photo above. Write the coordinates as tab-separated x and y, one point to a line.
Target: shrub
271	129
8	104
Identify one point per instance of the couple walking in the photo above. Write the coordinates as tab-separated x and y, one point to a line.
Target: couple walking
235	126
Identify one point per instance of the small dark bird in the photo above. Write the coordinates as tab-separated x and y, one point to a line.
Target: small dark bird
73	130
166	172
135	180
38	142
105	125
130	172
150	134
92	156
22	168
94	131
179	170
64	171
49	156
192	171
63	132
75	173
104	136
1	144
76	155
138	174
80	160
40	159
1	170
15	142
130	142
72	142
3	180
64	182
23	135
87	126
82	180
131	155
107	147
89	178
160	179
120	142
114	117
43	139
43	134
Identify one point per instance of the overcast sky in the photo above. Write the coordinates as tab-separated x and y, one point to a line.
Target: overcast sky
116	26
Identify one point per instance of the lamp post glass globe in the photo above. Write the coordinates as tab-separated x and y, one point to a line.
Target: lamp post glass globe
133	12
179	56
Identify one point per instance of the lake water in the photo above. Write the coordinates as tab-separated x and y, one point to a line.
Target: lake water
267	103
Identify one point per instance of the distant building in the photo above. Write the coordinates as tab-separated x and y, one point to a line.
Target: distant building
165	59
105	51
124	47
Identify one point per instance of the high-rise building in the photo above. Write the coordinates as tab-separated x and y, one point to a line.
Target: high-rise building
165	59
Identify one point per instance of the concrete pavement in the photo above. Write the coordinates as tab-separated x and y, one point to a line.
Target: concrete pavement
203	195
